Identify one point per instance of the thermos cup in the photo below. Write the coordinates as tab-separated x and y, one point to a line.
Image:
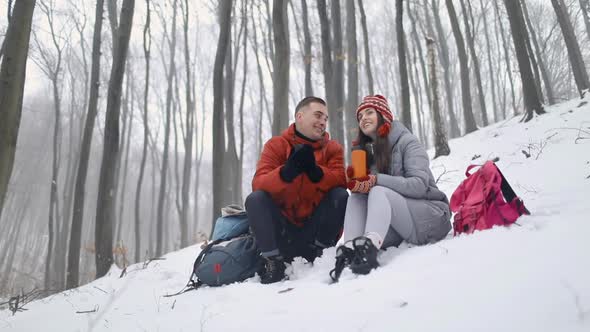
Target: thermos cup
359	162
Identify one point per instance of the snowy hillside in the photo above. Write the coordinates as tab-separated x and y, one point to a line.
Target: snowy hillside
534	276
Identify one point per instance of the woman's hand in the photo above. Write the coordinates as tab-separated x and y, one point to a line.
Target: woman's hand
362	185
349	173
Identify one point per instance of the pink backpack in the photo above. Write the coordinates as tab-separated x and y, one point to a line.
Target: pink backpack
485	199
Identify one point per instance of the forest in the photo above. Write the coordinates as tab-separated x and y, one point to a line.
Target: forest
125	126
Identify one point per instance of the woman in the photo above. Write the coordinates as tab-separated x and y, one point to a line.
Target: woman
398	200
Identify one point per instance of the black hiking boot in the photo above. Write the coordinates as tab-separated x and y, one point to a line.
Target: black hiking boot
344	256
365	256
311	252
272	269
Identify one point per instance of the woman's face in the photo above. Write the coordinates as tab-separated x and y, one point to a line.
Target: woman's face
368	121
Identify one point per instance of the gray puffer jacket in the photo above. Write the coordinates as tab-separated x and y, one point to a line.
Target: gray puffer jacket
409	173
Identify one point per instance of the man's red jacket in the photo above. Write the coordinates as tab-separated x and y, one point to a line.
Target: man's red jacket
298	199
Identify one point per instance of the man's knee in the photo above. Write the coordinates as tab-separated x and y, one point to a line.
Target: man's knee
338	197
257	198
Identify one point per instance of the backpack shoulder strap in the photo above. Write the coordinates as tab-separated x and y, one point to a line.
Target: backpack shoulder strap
192	283
510	195
470	167
507	190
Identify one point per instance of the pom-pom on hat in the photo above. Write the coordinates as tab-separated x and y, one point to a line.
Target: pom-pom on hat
379	104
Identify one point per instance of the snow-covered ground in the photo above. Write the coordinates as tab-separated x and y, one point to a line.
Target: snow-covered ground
534	276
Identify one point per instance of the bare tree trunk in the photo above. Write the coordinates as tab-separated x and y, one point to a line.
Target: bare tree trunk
70	176
573	48
532	102
4	279
164	170
419	54
337	111
218	123
471	44
446	64
490	63
584	9
72	276
123	160
307	55
230	161
327	66
113	20
441	145
280	25
406	111
538	55
264	105
352	100
188	142
414	80
366	43
198	163
12	78
51	65
107	183
146	52
242	95
534	65
470	125
506	56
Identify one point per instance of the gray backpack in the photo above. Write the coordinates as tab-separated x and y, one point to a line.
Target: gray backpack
224	262
231	256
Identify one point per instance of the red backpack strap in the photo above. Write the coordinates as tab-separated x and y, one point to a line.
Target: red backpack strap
510	195
470	167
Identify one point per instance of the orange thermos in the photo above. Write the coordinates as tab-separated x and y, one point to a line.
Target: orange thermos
359	162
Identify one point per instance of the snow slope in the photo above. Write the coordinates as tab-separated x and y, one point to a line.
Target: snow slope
534	276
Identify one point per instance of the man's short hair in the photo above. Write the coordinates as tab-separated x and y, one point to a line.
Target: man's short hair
308	100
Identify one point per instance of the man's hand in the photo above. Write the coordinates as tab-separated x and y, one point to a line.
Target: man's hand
301	160
308	164
292	167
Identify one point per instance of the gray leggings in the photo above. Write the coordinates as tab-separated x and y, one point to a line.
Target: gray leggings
395	218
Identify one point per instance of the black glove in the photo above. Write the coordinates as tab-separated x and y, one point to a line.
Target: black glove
306	158
308	164
292	167
301	160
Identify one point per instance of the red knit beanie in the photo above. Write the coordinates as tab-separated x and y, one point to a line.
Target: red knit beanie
379	103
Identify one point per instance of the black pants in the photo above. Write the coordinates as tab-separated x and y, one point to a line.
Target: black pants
275	234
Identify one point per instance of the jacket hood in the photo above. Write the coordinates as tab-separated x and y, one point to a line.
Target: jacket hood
397	131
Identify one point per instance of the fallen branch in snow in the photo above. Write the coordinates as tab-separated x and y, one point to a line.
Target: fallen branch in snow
146	263
17	303
203	320
443	248
528	190
88	311
537	147
443	173
579	130
285	290
581	312
100	289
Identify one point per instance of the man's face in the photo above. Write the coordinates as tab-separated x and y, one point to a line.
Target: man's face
311	120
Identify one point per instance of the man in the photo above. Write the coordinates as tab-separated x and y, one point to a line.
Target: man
298	197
